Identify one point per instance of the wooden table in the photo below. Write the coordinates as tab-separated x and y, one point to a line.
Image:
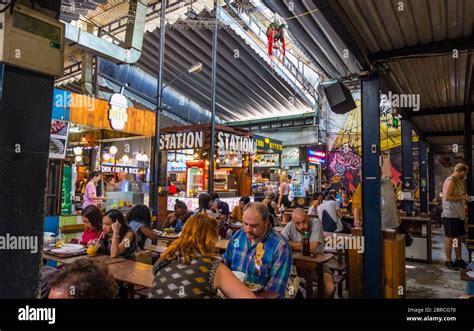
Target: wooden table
306	265
464	275
156	248
105	259
132	273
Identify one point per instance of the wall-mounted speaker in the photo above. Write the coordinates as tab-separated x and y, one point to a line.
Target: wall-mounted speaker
339	98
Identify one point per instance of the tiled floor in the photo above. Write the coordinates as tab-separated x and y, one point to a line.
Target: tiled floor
434	281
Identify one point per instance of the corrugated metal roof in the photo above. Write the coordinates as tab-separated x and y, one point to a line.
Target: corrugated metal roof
383	25
419	28
247	88
316	35
440	123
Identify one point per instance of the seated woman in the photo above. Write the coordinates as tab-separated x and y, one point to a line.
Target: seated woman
139	219
204	205
119	237
179	217
92	219
346	209
189	268
314	203
236	214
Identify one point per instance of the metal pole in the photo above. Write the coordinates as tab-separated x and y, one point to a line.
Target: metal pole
156	155
468	160
210	179
371	192
423	178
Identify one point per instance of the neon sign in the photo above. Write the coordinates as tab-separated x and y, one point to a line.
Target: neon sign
316	156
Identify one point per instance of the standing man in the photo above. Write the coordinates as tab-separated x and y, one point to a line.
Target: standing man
259	251
294	232
453	216
122	184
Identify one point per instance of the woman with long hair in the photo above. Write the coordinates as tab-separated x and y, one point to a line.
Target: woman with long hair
92	219
201	272
139	219
316	200
284	192
90	192
204	205
119	237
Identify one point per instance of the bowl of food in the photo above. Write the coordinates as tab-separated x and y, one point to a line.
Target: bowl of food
168	231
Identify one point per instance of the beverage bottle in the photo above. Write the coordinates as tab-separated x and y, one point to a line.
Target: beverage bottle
306	250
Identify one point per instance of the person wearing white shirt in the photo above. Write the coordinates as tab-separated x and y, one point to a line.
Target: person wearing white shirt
331	206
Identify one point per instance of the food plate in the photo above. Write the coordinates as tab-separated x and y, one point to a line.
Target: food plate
68	248
253	286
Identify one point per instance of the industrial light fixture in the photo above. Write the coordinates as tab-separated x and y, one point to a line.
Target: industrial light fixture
77	150
113	150
78	158
195	68
83	138
144	157
125	158
139	156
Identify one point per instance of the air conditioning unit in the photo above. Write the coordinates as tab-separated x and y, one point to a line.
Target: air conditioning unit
32	41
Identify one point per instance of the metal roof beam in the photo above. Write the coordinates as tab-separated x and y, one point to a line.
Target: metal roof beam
440	111
433	48
445	134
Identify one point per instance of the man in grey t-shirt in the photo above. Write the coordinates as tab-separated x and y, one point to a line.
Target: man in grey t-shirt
293	233
390	217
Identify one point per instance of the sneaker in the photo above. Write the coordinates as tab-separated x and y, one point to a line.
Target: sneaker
450	265
460	264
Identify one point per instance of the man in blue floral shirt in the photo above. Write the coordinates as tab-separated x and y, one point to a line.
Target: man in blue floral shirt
259	251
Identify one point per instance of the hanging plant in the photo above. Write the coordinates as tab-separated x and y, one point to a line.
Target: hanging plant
276	38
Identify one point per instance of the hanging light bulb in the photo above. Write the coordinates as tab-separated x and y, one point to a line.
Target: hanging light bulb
78	158
83	138
144	157
125	158
139	156
77	150
113	150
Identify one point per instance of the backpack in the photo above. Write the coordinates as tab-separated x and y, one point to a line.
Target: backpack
328	223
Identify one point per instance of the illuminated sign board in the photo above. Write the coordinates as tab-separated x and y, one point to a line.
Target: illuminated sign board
316	156
267	144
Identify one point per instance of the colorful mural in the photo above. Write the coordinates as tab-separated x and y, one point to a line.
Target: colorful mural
344	144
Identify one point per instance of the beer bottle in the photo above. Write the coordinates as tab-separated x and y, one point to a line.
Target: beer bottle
306	251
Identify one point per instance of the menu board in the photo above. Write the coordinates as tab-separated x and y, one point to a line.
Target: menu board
58	139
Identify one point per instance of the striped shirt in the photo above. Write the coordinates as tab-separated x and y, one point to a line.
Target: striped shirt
275	265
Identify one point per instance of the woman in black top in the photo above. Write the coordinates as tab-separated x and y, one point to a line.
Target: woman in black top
119	240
